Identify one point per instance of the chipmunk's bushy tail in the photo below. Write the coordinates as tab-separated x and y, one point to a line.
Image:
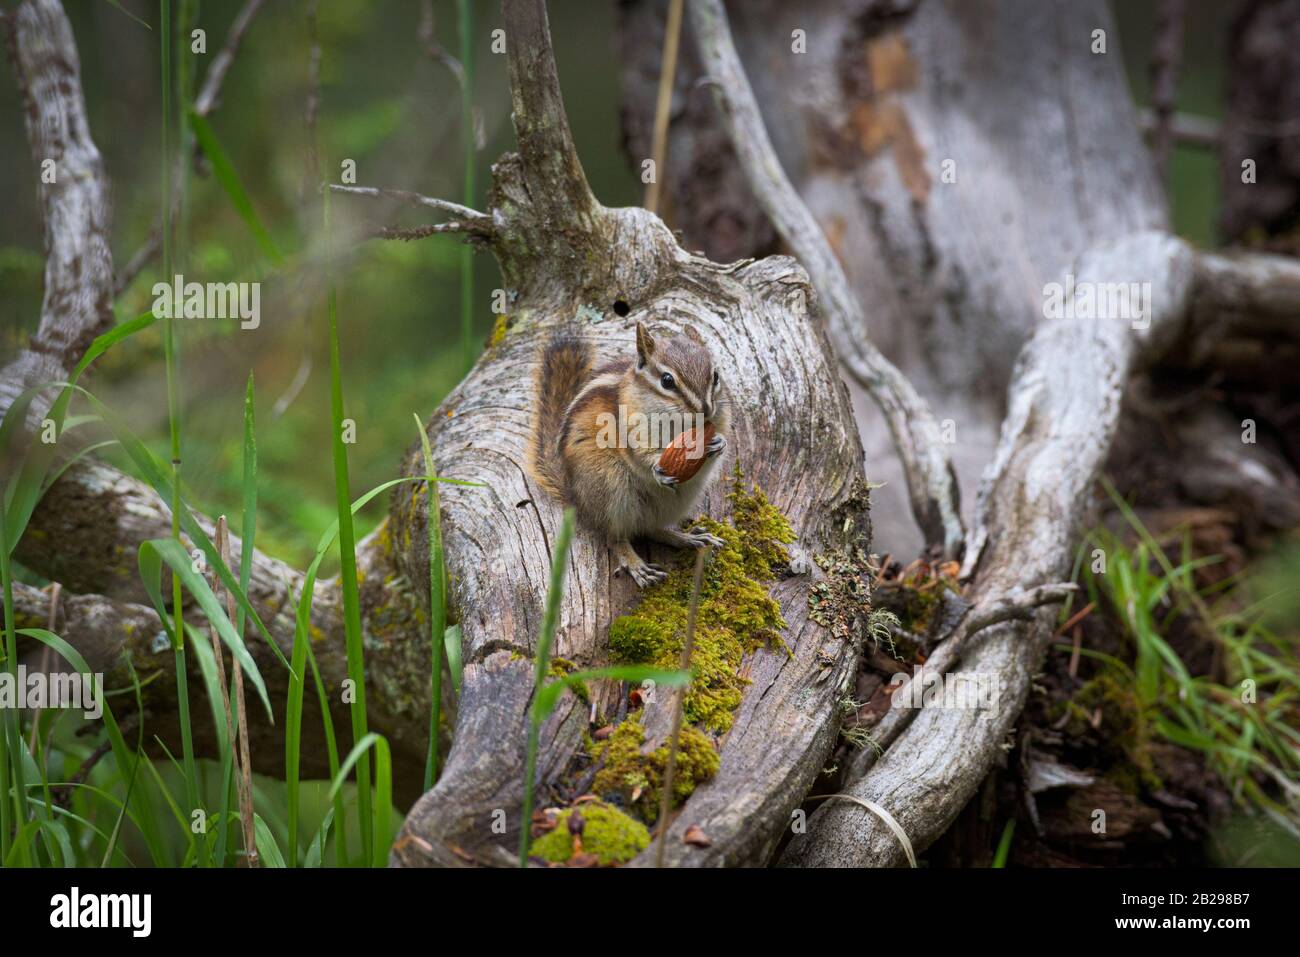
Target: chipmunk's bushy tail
565	368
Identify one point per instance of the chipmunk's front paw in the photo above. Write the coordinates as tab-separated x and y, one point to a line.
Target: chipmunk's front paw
663	478
716	445
645	573
699	537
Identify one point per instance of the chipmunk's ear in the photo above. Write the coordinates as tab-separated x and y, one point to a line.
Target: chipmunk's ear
645	345
693	334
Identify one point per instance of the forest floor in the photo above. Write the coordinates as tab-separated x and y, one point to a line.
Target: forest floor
1124	756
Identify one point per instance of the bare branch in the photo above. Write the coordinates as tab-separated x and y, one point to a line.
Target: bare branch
414	199
74	196
432	47
932	485
551	166
141	258
470	221
1188	128
1018	605
406	234
1259	293
1054	441
1015	606
206	101
1166	58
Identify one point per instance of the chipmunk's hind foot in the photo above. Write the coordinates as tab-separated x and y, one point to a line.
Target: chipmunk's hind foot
640	571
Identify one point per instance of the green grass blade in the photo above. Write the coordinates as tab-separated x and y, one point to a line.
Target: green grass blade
548	697
1004	845
117	4
316	851
225	174
211	686
451	643
550	619
11	751
248	530
383	819
267	849
348	560
302	656
125	758
437	607
152	555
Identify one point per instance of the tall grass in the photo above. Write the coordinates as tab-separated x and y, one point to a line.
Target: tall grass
114	810
1248	739
437	607
10	743
169	40
348	559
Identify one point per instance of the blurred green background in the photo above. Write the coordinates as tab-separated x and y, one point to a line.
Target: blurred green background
387	105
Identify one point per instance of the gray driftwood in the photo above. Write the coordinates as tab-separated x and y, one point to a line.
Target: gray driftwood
566	260
1050	178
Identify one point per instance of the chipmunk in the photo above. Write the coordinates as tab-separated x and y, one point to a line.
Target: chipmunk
599	433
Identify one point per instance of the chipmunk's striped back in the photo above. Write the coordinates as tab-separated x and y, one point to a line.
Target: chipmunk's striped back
563	372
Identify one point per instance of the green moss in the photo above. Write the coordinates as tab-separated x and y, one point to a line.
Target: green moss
607	833
736	615
764	530
916	608
1122	727
499	329
562	667
636	777
632	638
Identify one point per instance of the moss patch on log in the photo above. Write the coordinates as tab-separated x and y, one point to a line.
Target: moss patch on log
636	777
737	614
1108	707
605	832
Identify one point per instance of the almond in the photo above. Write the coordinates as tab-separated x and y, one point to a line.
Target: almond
685	454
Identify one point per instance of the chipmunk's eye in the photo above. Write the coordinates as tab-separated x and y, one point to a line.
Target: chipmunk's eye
667	381
715	380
